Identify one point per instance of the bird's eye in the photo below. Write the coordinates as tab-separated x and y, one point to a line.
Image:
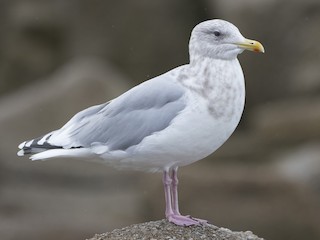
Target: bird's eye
216	33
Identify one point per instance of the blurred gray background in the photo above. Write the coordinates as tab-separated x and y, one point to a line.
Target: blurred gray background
59	57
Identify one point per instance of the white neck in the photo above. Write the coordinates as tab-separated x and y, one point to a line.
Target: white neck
216	80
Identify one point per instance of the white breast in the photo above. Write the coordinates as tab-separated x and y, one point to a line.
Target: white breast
199	130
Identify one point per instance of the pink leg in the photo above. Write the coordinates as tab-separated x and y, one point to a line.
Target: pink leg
175	202
171	198
167	193
174	189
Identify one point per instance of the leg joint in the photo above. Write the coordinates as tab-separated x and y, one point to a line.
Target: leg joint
167	180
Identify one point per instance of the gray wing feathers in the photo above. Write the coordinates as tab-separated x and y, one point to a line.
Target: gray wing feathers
128	119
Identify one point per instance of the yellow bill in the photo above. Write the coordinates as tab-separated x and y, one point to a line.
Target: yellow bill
251	45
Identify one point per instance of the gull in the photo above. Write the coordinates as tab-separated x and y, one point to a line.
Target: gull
167	122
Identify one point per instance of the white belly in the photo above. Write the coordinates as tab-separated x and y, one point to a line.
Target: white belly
202	127
192	136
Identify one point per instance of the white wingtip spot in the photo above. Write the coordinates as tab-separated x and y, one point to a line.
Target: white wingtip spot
43	139
21	145
28	144
20	153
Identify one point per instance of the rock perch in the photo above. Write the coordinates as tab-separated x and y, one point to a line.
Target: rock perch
163	230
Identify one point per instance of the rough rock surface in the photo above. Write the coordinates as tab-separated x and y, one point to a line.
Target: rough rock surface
162	229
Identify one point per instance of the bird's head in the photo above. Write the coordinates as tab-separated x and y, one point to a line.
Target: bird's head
220	39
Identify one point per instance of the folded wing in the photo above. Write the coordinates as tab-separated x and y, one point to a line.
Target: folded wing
119	124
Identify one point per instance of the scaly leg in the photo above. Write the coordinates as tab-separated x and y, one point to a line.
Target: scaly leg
167	193
174	189
172	214
175	200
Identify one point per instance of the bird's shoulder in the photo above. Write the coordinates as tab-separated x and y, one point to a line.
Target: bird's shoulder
152	93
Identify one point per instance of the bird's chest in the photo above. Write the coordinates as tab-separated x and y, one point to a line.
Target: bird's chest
213	115
225	101
222	96
216	87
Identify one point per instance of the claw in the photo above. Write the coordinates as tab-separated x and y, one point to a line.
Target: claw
182	220
201	221
173	215
185	221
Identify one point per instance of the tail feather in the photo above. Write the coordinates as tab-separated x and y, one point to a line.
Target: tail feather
53	153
